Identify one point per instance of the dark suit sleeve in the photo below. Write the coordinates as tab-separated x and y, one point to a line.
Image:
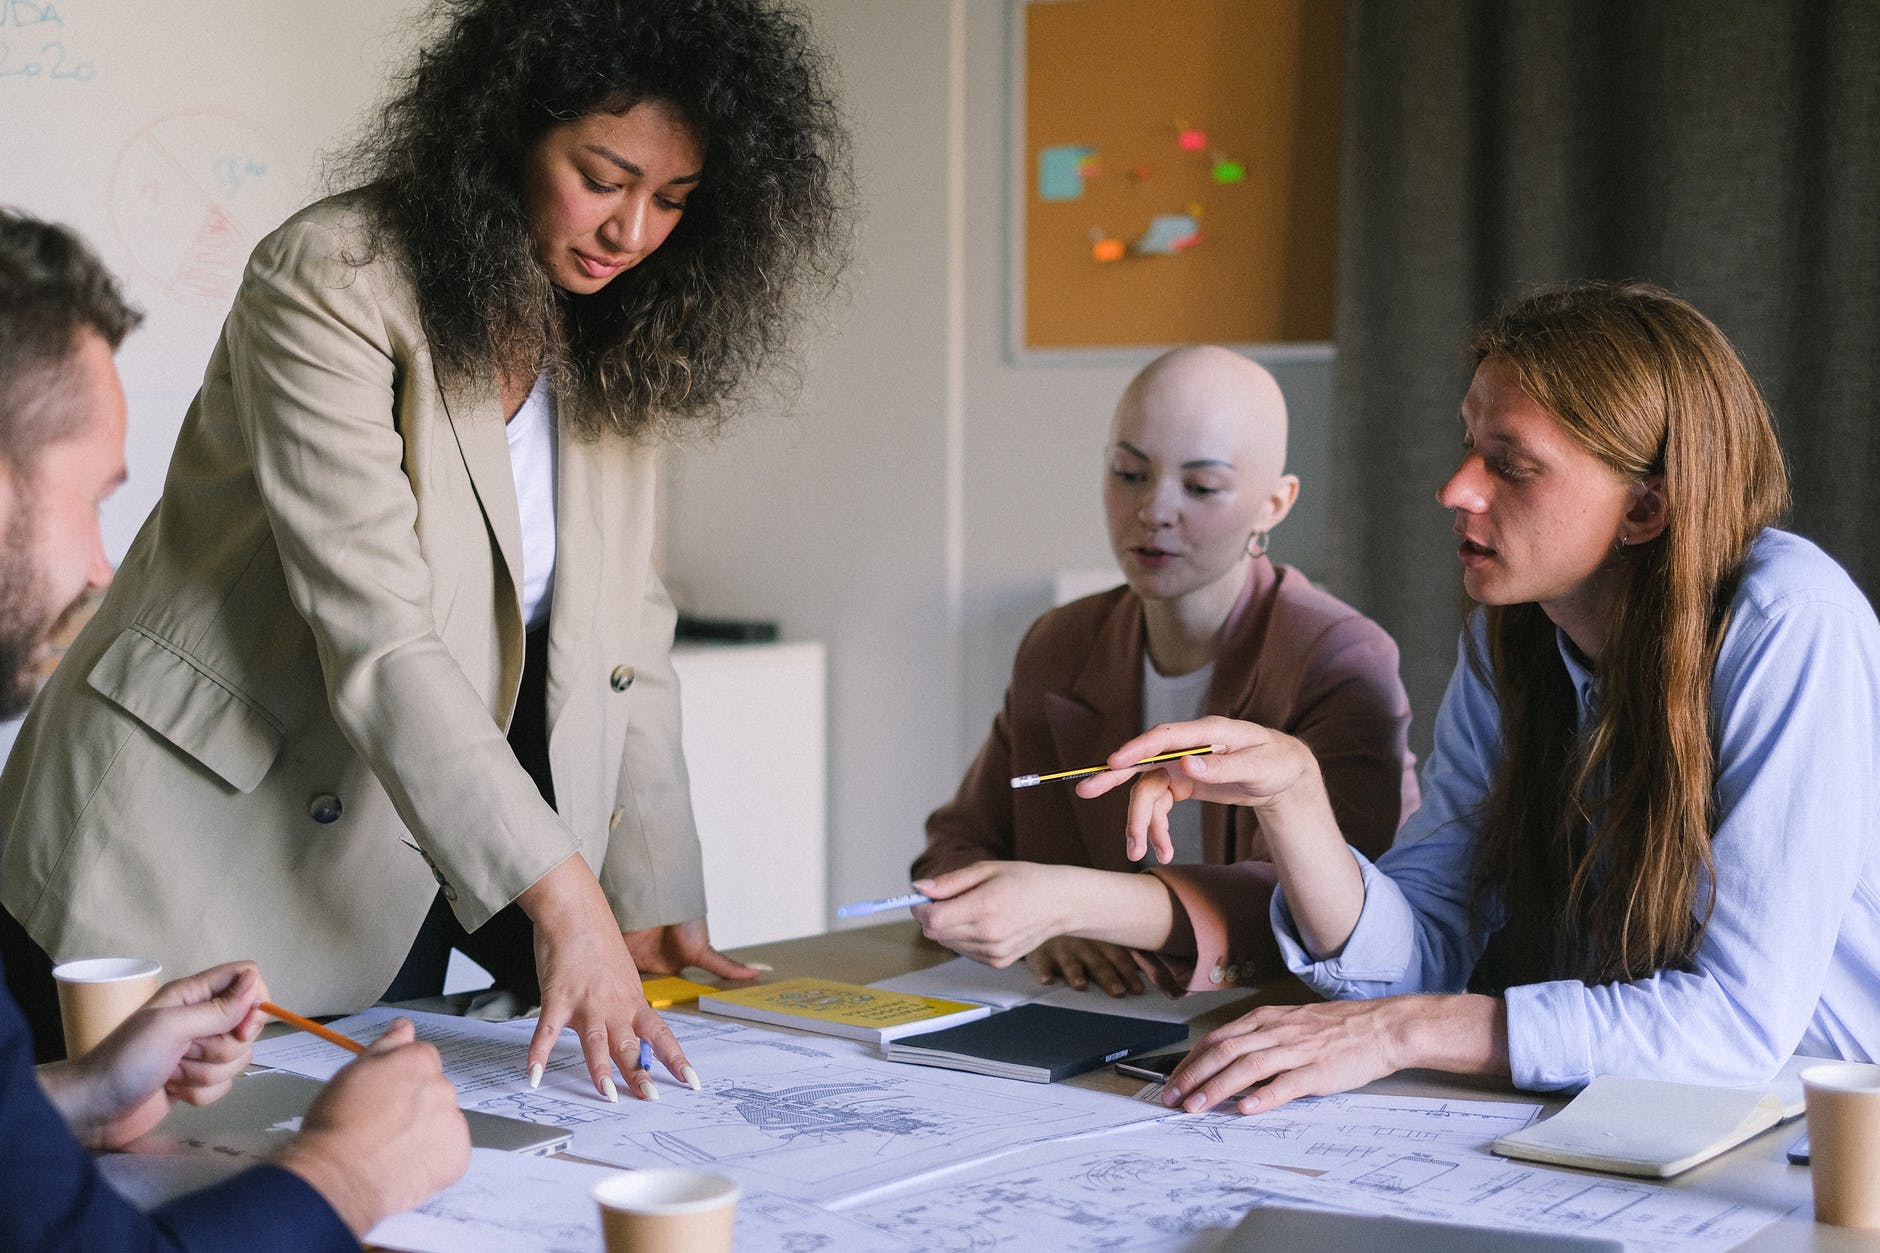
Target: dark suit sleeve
53	1198
263	1208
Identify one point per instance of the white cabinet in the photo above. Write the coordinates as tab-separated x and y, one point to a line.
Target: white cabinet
754	734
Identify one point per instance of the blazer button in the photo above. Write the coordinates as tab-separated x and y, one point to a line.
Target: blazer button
324	808
621	679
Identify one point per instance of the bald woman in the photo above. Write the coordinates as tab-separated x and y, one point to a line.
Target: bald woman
1194	481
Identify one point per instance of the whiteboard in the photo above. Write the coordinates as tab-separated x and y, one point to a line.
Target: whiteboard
173	137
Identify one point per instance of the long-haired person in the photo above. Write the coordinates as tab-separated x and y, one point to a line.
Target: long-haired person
387	667
1648	839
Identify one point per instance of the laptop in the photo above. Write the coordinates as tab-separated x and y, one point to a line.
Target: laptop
267	1103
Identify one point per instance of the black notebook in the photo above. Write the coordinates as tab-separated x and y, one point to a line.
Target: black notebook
1038	1043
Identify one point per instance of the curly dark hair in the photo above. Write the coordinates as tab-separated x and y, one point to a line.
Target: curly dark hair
52	286
674	343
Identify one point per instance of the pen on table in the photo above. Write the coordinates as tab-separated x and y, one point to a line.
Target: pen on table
292	1019
861	909
1033	780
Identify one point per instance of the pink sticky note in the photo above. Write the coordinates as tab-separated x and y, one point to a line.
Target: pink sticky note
1192	140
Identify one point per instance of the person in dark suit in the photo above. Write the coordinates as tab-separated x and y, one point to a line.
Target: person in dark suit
387	1132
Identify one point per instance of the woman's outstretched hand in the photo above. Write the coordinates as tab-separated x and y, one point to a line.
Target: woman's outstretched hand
589	983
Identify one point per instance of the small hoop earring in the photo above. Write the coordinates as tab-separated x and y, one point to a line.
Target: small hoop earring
1256	544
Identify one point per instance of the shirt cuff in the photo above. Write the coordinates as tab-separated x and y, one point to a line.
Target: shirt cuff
1374	955
1550	1041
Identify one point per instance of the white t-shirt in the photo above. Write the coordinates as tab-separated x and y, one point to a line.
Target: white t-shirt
1180	699
532	463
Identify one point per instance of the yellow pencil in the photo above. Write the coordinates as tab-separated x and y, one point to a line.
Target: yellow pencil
292	1019
1033	780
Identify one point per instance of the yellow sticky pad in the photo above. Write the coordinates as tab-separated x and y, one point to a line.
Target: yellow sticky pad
663	993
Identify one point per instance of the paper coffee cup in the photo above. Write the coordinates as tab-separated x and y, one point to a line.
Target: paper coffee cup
1844	1142
667	1211
98	993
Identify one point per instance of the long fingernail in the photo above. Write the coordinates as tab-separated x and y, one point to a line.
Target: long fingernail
764	967
648	1091
690	1076
608	1089
535	1074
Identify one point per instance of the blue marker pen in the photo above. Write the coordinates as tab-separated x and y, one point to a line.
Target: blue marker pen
861	909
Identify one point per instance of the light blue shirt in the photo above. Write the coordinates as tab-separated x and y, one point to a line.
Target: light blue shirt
1790	959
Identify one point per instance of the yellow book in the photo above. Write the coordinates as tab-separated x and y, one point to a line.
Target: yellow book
834	1008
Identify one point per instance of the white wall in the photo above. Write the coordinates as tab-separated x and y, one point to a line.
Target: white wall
173	139
912	508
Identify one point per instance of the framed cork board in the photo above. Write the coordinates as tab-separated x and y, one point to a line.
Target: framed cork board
1176	174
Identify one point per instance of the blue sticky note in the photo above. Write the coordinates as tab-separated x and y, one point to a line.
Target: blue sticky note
1167	233
1059	177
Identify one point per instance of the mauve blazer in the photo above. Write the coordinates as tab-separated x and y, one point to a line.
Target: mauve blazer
1296	659
285	726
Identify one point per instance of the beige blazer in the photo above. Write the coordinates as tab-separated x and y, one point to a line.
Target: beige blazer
284	728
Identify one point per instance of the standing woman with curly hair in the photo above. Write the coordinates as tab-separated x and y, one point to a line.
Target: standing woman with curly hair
387	667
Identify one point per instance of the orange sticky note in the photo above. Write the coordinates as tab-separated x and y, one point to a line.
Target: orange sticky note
1107	250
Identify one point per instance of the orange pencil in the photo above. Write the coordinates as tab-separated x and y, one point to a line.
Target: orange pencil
292	1019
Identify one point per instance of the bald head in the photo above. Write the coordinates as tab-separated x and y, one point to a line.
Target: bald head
1216	397
1196	477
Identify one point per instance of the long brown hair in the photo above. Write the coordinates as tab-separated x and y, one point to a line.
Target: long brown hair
1598	837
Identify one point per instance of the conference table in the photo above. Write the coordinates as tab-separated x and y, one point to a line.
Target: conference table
1756	1172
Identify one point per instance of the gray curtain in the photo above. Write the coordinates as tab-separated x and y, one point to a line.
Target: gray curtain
1726	149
